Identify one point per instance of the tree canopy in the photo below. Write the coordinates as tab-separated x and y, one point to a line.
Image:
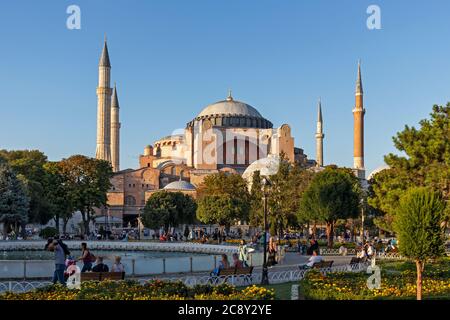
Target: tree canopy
285	193
14	202
168	209
28	165
419	227
87	182
223	199
426	162
333	194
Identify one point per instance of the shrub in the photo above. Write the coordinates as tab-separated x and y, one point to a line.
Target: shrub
132	290
48	232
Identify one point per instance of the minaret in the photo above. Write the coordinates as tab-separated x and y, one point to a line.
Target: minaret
103	151
115	131
358	127
319	136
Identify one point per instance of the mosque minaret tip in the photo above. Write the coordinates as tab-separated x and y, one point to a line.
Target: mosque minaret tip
103	150
319	136
358	126
115	131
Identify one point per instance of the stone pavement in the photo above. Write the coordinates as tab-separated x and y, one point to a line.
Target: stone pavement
290	262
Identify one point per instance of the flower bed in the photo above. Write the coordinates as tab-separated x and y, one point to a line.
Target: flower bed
398	281
152	290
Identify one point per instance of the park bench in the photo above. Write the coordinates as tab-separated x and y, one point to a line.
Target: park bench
323	264
100	276
246	272
355	260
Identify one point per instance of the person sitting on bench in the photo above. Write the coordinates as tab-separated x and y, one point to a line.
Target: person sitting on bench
223	264
315	258
236	262
100	266
117	266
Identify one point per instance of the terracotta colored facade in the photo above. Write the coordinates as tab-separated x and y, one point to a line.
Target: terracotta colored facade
226	136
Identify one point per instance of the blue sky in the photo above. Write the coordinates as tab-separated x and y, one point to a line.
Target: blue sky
172	58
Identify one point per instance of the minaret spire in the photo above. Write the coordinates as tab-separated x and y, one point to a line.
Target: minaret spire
103	150
319	135
358	127
359	86
104	58
115	131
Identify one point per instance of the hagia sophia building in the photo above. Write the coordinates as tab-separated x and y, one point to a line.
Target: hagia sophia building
226	136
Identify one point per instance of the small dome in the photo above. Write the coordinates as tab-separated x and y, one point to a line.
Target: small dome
180	185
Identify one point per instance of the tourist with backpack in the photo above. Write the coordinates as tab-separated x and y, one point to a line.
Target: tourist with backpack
87	257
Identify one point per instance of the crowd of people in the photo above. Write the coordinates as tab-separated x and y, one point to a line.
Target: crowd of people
91	263
241	259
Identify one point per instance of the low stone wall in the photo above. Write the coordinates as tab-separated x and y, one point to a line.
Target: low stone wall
125	246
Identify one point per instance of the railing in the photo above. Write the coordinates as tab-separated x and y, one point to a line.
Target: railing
275	277
380	255
335	252
35	269
22	286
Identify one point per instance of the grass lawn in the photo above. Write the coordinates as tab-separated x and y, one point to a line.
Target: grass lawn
398	282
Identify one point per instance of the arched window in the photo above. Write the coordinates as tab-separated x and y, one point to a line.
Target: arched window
130	201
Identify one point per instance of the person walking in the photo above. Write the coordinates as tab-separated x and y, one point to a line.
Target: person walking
243	253
87	257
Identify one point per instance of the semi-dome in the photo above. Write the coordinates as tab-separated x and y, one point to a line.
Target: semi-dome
377	170
232	113
266	167
180	185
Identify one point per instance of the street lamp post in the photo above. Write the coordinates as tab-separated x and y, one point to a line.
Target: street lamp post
265	275
362	222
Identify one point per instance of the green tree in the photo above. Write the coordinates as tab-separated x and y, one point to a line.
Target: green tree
224	188
285	193
420	229
168	209
333	194
426	163
14	202
256	196
57	187
28	165
88	181
221	209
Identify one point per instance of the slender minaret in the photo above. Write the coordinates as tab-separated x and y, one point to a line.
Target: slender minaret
103	151
358	127
319	136
115	131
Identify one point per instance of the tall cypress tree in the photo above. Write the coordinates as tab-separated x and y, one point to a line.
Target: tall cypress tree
14	203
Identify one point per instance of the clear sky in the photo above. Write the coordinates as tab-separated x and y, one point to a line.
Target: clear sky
172	58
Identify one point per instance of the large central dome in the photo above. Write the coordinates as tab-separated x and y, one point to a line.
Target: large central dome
231	113
230	107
